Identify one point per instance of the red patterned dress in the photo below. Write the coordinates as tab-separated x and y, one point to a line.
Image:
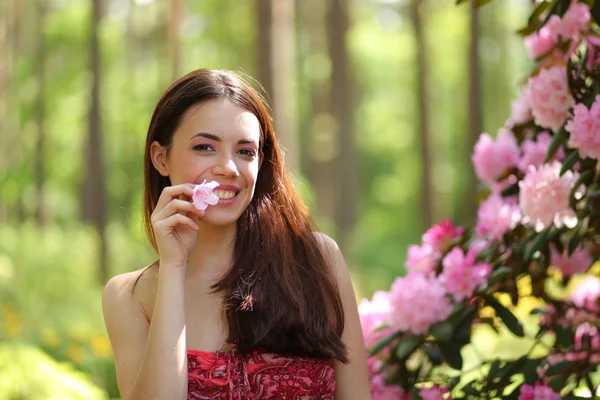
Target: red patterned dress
258	375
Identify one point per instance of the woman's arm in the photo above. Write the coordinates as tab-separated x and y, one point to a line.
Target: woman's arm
150	359
352	380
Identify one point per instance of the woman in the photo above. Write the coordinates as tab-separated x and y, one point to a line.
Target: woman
246	301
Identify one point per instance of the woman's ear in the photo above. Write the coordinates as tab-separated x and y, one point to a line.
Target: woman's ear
159	158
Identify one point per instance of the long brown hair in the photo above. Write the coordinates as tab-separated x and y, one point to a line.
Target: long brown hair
281	291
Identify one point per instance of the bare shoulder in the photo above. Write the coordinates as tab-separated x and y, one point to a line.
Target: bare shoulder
130	290
333	254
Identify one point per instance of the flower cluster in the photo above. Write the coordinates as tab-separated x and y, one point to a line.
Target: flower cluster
540	221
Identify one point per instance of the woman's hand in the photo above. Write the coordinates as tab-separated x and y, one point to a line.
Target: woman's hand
174	223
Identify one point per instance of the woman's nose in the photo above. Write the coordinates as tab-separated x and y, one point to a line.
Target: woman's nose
225	166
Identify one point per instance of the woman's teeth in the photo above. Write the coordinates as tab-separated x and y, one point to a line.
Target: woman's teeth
224	194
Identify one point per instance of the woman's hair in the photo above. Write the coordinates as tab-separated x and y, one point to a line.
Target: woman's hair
281	291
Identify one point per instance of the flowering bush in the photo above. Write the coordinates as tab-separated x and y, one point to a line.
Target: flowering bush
539	224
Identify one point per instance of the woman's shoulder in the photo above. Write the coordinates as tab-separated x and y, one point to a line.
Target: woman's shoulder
137	287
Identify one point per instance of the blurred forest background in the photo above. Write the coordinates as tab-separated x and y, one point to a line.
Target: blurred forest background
378	102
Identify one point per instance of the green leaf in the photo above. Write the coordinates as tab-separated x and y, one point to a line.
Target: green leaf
451	354
557	140
499	274
549	14
578	235
511	322
562	6
570	160
407	345
530	370
494	369
585	178
536	244
595	11
414	393
510	190
559	368
442	331
564	337
434	354
557	383
383	343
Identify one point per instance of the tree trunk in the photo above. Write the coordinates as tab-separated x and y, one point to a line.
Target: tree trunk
318	127
342	106
423	133
277	48
264	23
40	116
475	116
175	21
94	203
5	56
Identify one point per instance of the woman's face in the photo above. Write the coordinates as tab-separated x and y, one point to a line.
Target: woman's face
216	141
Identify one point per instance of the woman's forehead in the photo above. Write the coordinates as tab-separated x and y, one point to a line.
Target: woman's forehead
219	117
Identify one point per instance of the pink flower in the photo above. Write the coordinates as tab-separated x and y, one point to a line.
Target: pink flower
574	23
418	301
520	108
586	294
203	195
544	197
534	152
578	263
539	43
461	276
381	391
496	215
421	259
539	392
576	20
440	236
585	129
550	98
373	314
492	158
478	245
434	393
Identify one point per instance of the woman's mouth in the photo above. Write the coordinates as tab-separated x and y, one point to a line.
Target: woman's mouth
224	194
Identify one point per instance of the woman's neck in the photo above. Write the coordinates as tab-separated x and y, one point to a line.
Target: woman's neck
214	249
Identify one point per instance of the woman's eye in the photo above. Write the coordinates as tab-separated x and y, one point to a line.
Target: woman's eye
247	152
202	147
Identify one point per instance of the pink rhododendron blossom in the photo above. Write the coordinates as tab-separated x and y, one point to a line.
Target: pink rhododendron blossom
203	195
520	108
421	259
573	25
418	301
492	158
576	20
373	314
496	215
433	393
440	236
585	129
577	263
461	275
593	49
478	245
537	392
534	152
550	97
544	197
539	43
586	294
381	391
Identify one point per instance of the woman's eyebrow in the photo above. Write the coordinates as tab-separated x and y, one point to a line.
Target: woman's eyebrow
218	139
